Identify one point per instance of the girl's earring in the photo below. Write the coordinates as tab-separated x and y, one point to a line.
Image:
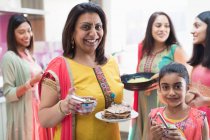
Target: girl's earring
72	43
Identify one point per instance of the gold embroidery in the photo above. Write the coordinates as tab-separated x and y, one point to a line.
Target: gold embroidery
50	83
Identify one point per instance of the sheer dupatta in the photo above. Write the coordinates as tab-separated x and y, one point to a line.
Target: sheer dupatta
60	67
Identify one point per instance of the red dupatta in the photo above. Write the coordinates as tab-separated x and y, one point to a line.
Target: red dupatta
60	67
135	103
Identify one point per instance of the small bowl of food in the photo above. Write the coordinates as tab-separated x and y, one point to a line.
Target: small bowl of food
87	104
138	81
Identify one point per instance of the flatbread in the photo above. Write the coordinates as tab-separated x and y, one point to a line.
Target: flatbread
117	111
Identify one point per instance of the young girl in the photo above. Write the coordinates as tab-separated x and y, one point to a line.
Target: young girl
190	123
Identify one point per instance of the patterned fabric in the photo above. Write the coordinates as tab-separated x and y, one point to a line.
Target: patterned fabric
190	126
49	82
201	82
86	84
199	75
22	117
142	102
156	61
104	87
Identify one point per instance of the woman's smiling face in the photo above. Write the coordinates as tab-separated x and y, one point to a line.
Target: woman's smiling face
161	29
88	33
23	35
199	31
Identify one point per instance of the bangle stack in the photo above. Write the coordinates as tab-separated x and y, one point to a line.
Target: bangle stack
28	85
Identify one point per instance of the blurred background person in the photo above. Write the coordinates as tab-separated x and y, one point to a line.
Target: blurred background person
83	42
200	60
158	48
21	74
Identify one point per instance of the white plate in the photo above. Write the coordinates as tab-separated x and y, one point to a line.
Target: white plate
99	116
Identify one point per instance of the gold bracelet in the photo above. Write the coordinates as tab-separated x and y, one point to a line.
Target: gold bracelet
62	110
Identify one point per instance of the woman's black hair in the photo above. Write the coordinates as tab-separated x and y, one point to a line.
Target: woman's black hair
69	28
200	54
148	41
174	67
14	22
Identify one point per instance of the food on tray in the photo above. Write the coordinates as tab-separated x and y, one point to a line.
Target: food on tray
117	111
138	80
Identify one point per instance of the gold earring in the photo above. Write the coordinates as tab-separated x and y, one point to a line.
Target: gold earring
72	43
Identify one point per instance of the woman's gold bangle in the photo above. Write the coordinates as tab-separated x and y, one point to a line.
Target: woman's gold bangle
62	110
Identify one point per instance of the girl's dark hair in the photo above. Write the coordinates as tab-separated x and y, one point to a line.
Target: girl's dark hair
15	21
200	54
148	41
69	28
174	67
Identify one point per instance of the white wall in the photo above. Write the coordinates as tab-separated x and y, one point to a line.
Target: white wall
56	15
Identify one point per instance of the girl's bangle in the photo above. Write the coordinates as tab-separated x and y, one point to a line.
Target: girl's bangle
28	85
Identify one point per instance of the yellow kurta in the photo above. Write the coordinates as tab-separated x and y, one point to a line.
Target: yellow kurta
87	126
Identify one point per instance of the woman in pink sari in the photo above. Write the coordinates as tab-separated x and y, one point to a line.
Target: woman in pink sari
83	44
200	61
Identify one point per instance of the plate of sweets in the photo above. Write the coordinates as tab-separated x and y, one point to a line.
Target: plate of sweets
116	113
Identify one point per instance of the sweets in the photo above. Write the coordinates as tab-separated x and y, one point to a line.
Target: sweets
117	111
